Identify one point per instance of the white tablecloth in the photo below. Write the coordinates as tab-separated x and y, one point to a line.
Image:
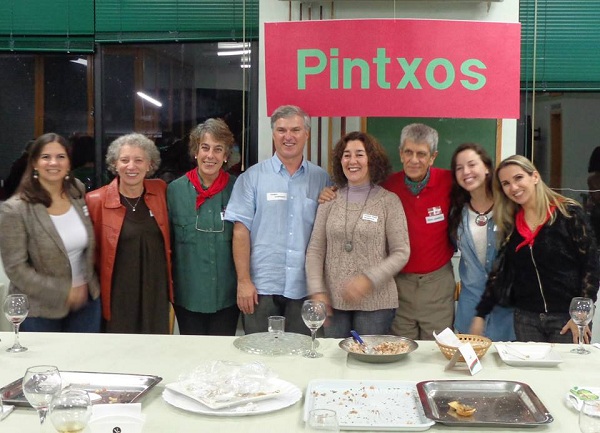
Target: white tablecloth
168	356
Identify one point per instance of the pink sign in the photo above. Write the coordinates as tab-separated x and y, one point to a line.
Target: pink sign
394	68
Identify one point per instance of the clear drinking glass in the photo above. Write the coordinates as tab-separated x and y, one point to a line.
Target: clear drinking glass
276	325
322	420
41	384
70	411
589	417
314	314
582	313
16	308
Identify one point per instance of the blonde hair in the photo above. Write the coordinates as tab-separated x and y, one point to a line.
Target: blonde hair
505	209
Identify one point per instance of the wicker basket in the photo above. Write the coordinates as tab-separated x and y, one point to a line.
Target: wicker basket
480	346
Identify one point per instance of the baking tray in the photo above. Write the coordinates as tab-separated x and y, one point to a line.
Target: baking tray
373	405
498	403
106	387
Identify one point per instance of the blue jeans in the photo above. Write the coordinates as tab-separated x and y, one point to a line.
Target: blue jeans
86	319
541	327
376	322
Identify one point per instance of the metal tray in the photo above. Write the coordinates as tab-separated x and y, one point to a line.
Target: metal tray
498	403
373	405
373	340
109	387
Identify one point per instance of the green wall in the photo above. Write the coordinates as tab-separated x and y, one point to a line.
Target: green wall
452	132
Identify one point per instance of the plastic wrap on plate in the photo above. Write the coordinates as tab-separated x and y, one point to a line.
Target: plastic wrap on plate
222	383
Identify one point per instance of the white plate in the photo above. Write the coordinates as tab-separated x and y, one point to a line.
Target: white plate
289	394
578	394
528	354
181	388
381	405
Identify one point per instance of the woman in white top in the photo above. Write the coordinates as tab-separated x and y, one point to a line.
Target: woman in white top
471	227
47	243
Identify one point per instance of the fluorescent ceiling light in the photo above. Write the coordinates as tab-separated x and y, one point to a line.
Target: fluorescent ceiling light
80	61
149	99
233	53
233	45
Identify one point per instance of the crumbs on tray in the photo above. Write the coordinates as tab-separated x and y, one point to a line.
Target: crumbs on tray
372	405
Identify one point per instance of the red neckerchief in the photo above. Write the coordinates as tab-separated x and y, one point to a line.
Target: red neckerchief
217	186
525	231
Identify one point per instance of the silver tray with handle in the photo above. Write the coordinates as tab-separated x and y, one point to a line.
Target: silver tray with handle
102	387
497	403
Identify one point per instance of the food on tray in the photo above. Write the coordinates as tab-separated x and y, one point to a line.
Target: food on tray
462	409
385	348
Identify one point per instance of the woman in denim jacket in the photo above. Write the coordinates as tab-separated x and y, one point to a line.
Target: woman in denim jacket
473	231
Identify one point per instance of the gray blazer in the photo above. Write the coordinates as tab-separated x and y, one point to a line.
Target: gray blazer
35	259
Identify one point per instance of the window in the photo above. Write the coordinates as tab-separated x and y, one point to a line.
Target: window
160	90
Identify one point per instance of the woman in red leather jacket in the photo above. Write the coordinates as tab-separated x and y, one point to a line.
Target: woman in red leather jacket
133	242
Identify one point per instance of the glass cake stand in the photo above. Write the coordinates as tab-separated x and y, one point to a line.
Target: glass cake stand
270	343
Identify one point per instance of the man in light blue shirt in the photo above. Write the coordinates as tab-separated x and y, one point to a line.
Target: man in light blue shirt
273	206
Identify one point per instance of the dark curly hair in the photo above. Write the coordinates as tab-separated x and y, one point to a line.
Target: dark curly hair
379	163
459	196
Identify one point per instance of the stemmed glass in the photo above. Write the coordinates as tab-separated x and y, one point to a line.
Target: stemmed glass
589	417
16	308
582	312
322	420
40	385
70	411
314	314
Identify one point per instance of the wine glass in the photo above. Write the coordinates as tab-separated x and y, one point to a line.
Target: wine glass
16	308
322	420
41	384
589	417
70	411
582	312
314	314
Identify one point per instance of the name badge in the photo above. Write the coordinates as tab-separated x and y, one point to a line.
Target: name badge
271	196
368	217
434	215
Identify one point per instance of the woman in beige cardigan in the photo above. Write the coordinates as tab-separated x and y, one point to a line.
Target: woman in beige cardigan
47	243
359	242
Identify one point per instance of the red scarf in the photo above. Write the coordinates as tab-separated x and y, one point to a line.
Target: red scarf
525	231
217	186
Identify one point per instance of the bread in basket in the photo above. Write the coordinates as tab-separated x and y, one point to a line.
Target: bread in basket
480	346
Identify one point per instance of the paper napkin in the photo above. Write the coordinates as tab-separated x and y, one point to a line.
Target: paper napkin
125	418
5	410
447	337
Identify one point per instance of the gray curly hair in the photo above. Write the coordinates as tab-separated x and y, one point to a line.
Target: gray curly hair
134	140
